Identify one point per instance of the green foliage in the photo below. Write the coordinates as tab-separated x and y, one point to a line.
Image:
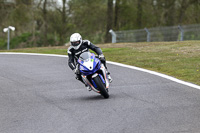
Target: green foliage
20	41
54	24
89	18
26	40
2	44
191	36
126	8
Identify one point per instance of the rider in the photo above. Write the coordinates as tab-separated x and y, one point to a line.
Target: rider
78	46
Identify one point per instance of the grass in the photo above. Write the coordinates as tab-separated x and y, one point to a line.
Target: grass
177	59
44	50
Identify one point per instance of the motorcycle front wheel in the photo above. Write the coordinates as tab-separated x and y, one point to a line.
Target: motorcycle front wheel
101	87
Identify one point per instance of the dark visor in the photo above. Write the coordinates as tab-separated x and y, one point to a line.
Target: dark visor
75	43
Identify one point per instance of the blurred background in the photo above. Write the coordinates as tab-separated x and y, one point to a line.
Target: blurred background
40	23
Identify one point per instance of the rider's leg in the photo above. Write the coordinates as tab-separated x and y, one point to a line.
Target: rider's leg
78	77
108	73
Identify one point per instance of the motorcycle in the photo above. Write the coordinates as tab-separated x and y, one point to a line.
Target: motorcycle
93	73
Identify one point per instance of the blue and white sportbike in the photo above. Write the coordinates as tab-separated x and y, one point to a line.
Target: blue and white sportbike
93	73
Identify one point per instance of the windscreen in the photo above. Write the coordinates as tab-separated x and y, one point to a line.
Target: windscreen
85	56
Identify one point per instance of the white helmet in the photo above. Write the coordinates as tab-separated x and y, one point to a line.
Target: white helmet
76	40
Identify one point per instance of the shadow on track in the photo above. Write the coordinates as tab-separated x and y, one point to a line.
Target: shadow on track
96	97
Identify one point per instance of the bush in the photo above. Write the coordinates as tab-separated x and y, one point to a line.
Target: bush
20	41
3	44
26	40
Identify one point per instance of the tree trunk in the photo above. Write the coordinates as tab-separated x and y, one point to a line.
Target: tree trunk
109	20
184	6
63	22
116	15
139	19
169	20
45	22
139	14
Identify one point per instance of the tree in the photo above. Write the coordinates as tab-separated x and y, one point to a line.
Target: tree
184	5
139	14
109	20
88	17
43	22
44	11
116	19
63	25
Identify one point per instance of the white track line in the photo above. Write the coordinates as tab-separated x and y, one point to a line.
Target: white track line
122	65
157	74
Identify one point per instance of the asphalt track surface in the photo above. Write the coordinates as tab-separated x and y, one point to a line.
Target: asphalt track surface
39	94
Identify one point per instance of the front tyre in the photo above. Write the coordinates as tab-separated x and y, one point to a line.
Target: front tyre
101	87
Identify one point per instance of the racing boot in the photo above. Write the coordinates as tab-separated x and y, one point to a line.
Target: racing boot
109	77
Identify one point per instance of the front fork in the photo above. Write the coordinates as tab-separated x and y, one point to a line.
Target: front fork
88	83
103	69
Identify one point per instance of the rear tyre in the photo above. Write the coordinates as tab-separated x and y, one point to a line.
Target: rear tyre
101	87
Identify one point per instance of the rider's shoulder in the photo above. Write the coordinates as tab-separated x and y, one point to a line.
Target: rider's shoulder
86	42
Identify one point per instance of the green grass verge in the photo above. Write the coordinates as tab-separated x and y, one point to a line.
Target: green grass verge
177	59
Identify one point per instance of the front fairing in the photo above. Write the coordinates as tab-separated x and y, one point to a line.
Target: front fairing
88	63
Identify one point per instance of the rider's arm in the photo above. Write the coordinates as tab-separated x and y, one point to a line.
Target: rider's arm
71	60
96	49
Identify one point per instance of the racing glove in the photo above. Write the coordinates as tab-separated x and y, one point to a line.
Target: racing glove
102	58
